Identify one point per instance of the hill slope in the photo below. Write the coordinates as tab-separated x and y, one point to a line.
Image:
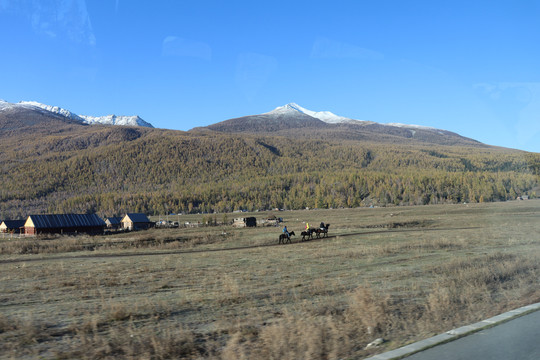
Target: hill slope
51	164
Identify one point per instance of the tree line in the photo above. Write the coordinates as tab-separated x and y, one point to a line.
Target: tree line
169	172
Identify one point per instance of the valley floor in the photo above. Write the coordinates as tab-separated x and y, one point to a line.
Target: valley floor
401	274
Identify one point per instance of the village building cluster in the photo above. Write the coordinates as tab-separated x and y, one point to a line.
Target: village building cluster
94	225
74	224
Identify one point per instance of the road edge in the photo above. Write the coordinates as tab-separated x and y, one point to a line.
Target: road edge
454	334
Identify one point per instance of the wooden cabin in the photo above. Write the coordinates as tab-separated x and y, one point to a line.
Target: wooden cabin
113	223
12	226
64	224
136	221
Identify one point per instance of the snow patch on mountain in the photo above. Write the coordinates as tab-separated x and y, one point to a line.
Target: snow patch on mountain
325	116
115	120
411	126
4	104
54	109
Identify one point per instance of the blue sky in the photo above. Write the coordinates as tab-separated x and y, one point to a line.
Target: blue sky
464	66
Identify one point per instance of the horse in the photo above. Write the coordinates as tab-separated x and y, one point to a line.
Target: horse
284	237
324	230
308	234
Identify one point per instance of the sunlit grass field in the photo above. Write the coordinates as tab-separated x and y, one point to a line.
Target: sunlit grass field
400	273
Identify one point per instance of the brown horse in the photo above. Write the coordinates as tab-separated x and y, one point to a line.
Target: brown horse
322	232
286	238
308	234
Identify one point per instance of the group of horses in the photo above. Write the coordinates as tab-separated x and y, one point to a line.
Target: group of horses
306	235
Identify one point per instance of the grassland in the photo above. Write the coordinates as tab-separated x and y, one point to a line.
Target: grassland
401	273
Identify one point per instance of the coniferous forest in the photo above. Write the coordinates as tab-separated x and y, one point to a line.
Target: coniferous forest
111	171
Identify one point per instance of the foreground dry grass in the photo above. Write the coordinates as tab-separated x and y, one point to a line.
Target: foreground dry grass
398	273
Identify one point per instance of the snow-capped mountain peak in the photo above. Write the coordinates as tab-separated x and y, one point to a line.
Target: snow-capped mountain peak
92	120
325	116
331	118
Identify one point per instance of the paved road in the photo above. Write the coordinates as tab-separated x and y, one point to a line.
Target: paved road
517	339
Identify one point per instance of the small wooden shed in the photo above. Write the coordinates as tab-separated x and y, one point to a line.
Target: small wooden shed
14	226
136	221
113	222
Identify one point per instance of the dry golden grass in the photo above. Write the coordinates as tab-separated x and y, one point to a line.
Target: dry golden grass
220	293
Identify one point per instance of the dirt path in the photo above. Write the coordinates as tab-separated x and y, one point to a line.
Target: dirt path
181	252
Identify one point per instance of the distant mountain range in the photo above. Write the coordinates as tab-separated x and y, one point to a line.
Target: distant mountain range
91	120
51	161
291	120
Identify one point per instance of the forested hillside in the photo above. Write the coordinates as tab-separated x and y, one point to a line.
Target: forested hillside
116	170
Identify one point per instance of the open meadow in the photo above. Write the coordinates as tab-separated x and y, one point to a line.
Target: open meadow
397	273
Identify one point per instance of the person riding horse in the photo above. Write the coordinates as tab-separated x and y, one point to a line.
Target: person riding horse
285	236
286	232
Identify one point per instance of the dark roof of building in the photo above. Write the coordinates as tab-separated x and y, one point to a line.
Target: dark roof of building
66	221
138	218
13	224
114	220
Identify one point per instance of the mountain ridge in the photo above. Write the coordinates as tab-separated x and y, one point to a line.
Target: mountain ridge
90	120
290	120
293	120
